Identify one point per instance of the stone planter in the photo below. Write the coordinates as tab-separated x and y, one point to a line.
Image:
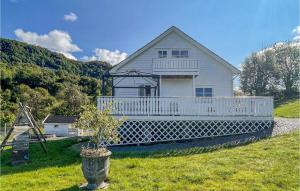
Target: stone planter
95	169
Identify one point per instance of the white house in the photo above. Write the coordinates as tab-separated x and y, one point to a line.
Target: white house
175	80
186	68
61	126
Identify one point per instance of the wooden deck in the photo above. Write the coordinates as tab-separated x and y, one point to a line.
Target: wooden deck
159	119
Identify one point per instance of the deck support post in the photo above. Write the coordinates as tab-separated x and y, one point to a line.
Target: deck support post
159	85
193	93
103	86
113	87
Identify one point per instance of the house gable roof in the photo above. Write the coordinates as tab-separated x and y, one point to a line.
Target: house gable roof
60	119
184	36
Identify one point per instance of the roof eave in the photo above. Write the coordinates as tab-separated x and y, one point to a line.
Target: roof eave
141	50
184	35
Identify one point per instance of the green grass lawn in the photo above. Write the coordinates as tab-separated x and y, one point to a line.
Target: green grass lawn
270	164
290	109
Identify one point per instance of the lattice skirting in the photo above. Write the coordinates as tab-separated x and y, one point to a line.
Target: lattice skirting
140	131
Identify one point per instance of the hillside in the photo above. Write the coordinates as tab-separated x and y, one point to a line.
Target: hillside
270	164
47	81
13	52
288	109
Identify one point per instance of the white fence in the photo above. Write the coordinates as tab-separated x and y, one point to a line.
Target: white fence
188	106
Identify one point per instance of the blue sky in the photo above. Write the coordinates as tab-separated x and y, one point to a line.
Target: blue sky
231	28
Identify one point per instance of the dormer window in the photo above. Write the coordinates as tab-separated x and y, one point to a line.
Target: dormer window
180	54
162	54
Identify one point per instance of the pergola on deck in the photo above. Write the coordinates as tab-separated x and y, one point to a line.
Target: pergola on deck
157	119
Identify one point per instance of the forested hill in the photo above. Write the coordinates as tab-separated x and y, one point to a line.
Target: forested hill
46	81
13	52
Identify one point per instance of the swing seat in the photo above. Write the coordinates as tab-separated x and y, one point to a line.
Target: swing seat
20	146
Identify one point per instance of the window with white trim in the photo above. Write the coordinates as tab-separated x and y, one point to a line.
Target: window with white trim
204	92
180	53
141	90
162	54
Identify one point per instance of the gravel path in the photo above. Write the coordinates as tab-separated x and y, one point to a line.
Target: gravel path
285	125
282	126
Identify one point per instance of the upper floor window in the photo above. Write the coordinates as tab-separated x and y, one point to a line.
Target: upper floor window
180	53
162	54
204	92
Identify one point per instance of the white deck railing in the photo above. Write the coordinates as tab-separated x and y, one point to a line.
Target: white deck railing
175	65
188	106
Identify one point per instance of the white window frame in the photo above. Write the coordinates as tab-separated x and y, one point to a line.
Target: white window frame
180	55
212	91
141	92
161	54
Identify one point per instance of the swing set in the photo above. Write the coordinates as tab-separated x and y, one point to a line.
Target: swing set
20	134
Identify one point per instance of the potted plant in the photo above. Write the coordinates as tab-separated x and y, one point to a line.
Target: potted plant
95	155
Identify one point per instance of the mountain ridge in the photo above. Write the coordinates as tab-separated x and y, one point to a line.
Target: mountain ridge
13	52
46	81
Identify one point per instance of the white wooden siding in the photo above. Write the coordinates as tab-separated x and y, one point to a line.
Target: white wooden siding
62	130
182	87
211	73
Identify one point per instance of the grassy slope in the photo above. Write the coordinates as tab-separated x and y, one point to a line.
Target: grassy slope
290	109
271	164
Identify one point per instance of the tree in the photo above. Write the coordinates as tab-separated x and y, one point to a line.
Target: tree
90	86
38	99
102	125
12	52
6	75
7	109
258	73
72	100
43	79
287	65
272	70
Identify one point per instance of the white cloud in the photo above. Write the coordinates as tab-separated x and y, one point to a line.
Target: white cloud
112	57
294	43
70	17
296	31
56	40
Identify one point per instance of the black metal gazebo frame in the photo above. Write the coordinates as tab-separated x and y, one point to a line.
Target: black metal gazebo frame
152	79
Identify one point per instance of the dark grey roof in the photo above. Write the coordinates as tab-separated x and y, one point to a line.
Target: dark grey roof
60	119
